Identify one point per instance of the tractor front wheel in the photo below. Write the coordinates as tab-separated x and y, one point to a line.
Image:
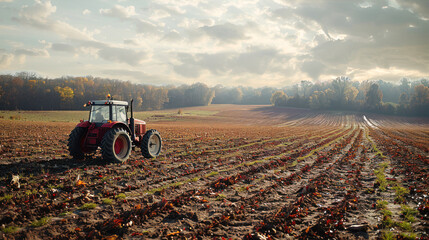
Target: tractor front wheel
151	144
116	145
76	143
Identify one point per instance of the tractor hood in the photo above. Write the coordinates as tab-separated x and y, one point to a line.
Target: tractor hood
138	121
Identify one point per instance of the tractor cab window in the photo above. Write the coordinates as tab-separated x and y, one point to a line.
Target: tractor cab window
99	113
119	113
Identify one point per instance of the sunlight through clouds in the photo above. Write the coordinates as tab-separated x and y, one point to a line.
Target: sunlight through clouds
221	42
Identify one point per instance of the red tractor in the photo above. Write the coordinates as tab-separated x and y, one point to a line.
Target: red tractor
110	129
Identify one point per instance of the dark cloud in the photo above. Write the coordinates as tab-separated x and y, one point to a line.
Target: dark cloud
123	55
32	52
227	32
139	76
131	42
360	35
61	47
313	68
255	61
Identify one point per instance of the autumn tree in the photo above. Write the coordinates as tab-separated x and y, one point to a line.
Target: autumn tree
278	98
373	98
340	86
419	102
306	87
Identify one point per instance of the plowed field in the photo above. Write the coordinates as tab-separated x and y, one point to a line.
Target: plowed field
238	172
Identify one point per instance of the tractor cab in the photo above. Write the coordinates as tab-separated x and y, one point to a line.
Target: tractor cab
103	111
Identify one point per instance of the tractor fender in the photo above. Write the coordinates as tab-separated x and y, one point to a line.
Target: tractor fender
84	124
117	124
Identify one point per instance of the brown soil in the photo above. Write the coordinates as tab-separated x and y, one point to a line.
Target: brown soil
249	172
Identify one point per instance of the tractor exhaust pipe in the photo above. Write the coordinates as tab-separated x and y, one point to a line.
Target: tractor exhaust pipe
132	126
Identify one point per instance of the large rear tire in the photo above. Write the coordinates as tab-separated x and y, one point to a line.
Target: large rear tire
116	145
76	144
151	144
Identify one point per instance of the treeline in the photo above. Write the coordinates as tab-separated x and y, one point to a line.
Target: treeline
27	91
407	98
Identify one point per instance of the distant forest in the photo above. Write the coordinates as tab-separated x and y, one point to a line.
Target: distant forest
28	91
407	98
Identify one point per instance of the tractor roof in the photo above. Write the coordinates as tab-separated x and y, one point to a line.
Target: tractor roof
111	102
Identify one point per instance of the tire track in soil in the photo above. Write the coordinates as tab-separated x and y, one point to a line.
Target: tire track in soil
410	170
343	218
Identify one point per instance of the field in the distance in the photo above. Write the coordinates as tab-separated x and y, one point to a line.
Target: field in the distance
226	171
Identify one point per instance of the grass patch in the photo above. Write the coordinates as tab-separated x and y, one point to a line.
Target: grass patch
63	214
30	192
220	197
405	226
212	174
408	213
41	222
121	196
46	116
87	206
381	177
6	197
409	236
387	222
107	201
10	229
195	179
176	184
254	162
400	193
374	146
388	235
241	189
386	212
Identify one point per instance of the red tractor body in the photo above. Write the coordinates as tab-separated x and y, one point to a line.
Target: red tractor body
110	129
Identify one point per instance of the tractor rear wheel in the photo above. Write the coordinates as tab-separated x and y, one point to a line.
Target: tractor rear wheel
151	144
116	145
76	143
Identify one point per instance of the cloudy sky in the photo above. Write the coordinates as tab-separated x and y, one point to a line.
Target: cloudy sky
243	42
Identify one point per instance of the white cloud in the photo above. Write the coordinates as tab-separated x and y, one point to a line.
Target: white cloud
119	11
38	16
6	60
86	12
420	7
143	26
